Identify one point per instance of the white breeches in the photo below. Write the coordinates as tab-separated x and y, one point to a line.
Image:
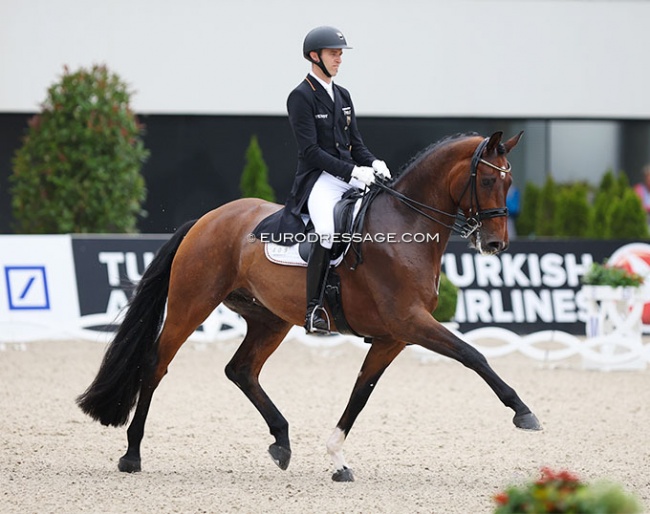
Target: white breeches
326	192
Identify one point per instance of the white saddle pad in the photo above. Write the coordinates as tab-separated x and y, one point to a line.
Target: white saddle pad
290	256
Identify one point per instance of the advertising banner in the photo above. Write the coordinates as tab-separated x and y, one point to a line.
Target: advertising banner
532	286
108	269
38	289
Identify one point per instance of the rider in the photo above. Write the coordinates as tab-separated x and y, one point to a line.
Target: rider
332	157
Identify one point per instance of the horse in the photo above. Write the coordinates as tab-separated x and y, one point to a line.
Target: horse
388	297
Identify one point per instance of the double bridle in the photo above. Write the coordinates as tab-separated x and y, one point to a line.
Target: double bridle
476	215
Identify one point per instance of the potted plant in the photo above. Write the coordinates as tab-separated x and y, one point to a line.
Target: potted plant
564	492
614	299
603	282
611	276
447	300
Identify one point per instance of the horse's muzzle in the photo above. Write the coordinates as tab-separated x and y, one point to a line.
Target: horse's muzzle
488	245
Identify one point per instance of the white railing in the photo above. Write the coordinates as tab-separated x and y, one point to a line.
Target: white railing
605	352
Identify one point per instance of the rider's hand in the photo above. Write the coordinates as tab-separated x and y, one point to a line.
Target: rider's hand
381	169
364	174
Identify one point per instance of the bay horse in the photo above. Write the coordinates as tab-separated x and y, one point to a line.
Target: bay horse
388	298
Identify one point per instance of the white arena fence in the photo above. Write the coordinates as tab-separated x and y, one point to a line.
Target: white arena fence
605	352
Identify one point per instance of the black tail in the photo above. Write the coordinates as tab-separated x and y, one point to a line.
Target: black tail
114	392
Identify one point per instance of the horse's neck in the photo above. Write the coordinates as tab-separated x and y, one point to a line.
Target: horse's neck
427	183
431	219
427	240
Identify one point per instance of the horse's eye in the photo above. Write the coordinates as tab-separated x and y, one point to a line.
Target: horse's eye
487	182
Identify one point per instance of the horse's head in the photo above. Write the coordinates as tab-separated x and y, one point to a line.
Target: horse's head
481	193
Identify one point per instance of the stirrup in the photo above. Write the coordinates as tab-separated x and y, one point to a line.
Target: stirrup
313	319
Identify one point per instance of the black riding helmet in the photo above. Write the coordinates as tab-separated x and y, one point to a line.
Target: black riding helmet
323	37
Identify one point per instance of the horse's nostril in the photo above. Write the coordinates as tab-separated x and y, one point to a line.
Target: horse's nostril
497	246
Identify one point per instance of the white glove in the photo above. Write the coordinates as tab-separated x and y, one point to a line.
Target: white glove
381	169
364	174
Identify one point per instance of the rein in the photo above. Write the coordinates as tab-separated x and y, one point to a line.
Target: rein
474	221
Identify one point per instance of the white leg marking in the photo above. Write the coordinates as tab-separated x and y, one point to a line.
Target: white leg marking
335	448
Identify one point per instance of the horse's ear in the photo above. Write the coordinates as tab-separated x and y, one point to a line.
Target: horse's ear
495	139
512	142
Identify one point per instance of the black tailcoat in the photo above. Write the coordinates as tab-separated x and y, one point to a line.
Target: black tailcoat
328	139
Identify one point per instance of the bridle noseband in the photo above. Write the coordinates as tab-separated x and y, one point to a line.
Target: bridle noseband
476	215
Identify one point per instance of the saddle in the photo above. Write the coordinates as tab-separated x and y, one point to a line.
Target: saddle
349	213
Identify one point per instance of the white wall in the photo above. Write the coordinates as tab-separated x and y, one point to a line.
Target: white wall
519	58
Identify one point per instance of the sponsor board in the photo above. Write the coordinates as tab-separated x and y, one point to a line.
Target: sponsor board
534	285
109	268
38	290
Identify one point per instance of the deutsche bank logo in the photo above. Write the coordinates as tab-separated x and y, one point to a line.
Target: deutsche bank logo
27	288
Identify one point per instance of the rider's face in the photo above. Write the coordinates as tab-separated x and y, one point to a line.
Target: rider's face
331	57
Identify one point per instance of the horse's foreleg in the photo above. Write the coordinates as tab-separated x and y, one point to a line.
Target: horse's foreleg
380	355
435	337
264	335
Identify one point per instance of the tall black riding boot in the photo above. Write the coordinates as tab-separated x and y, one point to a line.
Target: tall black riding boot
318	265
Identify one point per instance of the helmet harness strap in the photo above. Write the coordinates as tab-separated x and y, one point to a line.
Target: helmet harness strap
321	64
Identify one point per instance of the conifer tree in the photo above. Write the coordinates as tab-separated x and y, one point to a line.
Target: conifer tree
526	221
623	182
609	183
598	216
606	194
626	218
254	180
545	208
572	212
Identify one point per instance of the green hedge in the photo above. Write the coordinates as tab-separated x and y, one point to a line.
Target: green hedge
576	210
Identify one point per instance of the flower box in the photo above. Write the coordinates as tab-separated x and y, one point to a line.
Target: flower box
613	326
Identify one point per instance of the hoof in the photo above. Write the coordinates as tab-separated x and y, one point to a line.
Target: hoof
281	456
129	465
343	475
527	422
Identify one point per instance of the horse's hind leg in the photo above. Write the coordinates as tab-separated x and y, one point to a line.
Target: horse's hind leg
130	462
380	355
265	333
177	328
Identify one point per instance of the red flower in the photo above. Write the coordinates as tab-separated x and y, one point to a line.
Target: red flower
501	499
567	476
548	475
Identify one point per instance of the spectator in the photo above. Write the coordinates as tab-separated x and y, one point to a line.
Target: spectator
513	203
642	189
